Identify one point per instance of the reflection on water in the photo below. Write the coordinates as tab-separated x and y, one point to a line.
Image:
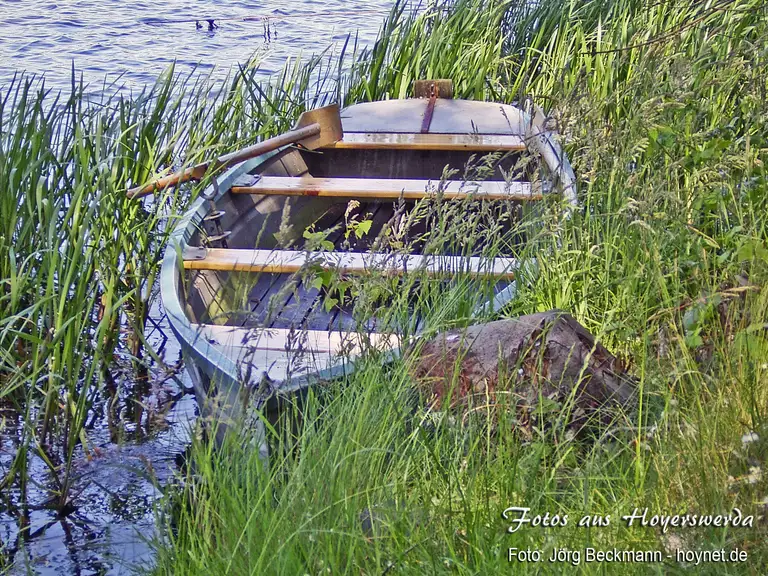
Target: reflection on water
136	441
115	500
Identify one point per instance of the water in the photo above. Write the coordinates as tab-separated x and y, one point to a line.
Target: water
127	42
124	42
133	455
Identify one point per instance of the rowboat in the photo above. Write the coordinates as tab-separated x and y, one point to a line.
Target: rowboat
270	337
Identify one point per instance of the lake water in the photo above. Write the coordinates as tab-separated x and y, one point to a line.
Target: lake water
130	42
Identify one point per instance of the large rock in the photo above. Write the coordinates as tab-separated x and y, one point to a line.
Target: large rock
542	358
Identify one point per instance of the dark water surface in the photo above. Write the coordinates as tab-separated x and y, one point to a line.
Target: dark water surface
136	440
132	41
139	438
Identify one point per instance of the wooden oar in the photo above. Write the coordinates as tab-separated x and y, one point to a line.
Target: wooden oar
315	129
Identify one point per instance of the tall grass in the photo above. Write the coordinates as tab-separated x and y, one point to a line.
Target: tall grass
662	110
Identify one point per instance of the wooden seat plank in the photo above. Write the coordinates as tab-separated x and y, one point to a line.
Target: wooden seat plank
287	261
282	339
283	353
371	188
449	117
442	142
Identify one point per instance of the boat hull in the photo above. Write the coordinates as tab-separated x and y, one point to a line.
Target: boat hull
229	388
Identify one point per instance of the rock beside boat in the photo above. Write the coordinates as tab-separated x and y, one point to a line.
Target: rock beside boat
544	365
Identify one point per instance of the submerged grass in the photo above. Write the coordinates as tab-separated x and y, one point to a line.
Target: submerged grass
662	110
661	106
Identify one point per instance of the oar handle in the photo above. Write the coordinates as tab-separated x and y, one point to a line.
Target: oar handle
193	173
197	172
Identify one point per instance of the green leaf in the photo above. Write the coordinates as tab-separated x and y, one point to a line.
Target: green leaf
756	327
694	340
317	283
362	228
751	250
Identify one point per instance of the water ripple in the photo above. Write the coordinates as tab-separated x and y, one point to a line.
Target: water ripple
136	38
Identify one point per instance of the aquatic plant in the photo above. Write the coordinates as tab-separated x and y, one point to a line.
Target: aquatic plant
78	259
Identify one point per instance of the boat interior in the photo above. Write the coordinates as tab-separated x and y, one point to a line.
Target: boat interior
432	185
250	220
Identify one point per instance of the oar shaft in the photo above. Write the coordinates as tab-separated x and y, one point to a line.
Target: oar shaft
269	145
197	172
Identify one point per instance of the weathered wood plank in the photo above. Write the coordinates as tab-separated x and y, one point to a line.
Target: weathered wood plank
282	354
282	339
375	189
286	261
386	116
450	117
442	142
469	117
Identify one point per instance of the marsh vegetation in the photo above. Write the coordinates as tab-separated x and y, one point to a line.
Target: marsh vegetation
661	107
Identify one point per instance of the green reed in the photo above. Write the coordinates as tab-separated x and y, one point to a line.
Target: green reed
78	260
